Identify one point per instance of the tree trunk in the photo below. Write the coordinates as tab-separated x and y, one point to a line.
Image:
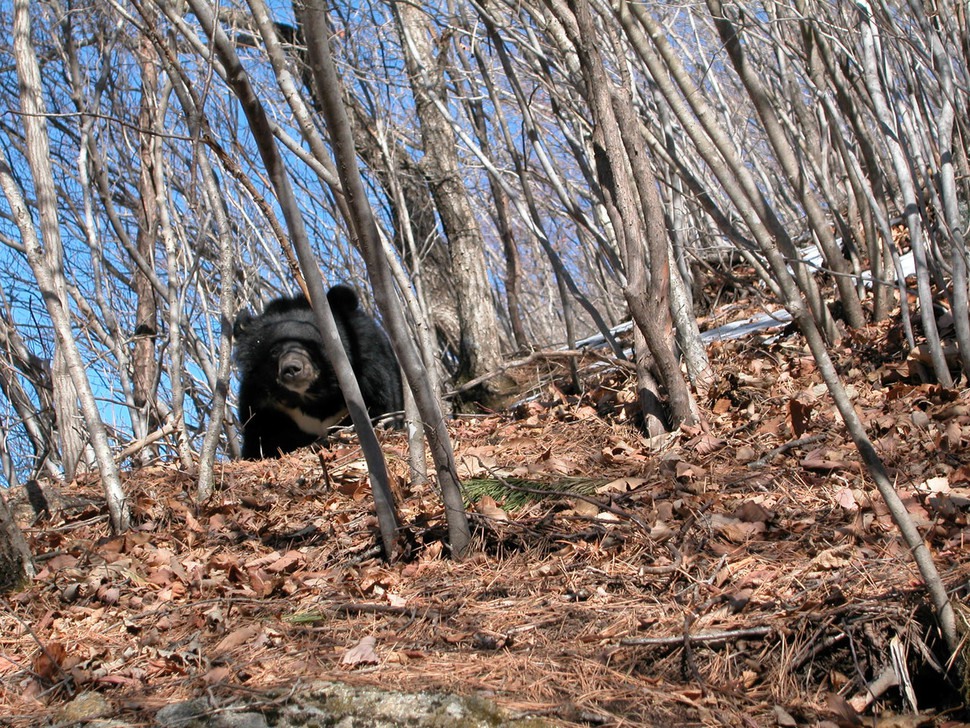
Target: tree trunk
333	347
480	347
500	199
429	258
633	203
46	260
143	362
68	417
789	163
16	564
36	418
874	68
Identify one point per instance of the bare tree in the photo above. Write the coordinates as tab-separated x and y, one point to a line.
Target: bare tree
144	362
328	87
480	347
16	563
36	419
633	204
47	260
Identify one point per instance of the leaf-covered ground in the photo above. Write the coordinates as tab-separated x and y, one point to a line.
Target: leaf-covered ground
746	575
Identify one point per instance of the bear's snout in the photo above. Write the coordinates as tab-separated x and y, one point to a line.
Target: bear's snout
296	370
291	369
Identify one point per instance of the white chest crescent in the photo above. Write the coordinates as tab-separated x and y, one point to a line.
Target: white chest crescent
311	425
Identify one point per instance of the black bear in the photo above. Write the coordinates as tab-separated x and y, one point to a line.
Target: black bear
288	392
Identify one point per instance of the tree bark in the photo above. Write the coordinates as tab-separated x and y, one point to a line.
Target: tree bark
785	155
328	90
16	563
480	344
907	188
144	364
36	418
46	260
634	206
715	146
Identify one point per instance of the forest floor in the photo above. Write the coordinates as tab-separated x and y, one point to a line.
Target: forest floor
743	575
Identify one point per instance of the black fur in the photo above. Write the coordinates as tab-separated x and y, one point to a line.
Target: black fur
288	393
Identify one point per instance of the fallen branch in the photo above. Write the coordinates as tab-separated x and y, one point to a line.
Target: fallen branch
144	442
538	356
707	638
809	651
764	460
353	608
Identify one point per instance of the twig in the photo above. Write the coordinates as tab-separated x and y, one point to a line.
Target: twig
687	656
370	608
326	471
67	680
700	638
811	650
74	526
762	461
540	355
874	689
667	568
144	442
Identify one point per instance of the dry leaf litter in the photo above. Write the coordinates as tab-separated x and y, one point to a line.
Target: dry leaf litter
743	575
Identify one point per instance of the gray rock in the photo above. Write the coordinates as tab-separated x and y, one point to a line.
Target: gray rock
335	705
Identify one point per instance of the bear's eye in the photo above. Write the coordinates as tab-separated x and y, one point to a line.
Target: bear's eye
288	345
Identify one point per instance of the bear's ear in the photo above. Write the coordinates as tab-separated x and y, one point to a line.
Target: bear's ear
244	320
342	298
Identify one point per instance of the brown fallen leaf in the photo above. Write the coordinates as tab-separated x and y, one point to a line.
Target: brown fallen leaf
846	498
688	471
845	713
745	454
752	512
621	485
236	638
217	675
363	653
285	562
705	444
490	509
735	529
108	594
783	718
585	508
357	489
799	416
48	663
919	514
834	558
823	459
939	484
454	638
61	561
261	582
954	434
